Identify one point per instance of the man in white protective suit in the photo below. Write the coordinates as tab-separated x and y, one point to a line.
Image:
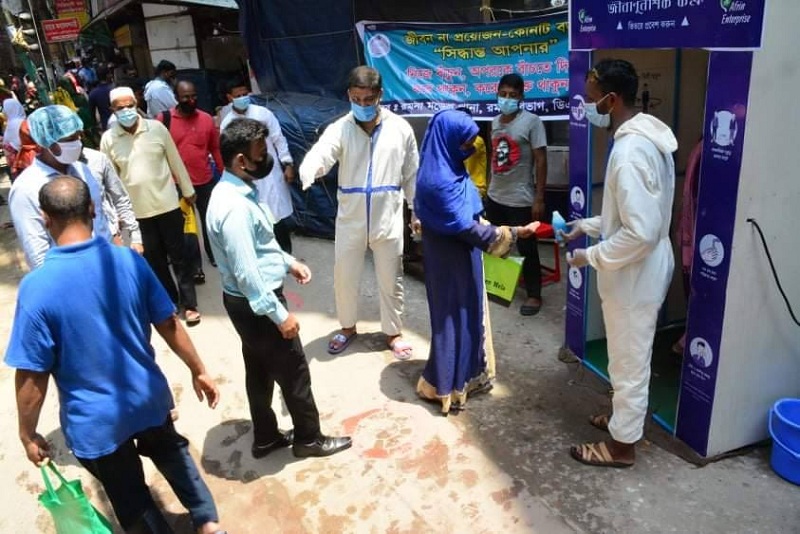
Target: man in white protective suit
634	258
378	159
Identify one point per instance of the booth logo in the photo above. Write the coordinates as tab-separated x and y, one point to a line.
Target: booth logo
700	352
732	5
577	199
712	251
379	46
578	111
575	277
584	17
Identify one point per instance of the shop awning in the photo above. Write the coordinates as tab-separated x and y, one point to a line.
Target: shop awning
121	4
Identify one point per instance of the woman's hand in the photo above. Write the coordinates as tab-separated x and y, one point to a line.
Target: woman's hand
529	230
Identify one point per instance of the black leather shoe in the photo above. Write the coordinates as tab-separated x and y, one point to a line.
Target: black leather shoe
286	440
322	446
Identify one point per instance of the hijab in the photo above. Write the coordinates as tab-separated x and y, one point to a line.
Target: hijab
446	200
15	114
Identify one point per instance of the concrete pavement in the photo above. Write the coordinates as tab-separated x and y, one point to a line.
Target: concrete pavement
501	466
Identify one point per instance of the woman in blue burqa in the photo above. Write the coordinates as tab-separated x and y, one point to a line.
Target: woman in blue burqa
454	236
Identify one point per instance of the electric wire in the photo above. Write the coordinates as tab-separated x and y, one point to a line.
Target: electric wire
774	272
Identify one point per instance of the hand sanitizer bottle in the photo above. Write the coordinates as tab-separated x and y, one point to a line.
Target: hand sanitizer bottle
559	225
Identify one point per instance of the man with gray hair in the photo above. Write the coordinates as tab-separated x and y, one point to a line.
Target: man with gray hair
378	159
146	158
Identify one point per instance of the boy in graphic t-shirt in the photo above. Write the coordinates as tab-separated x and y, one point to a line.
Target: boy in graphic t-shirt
519	177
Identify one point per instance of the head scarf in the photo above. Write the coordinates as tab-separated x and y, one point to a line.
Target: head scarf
51	123
15	114
446	200
27	152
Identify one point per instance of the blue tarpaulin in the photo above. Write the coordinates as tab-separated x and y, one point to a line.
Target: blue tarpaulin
302	118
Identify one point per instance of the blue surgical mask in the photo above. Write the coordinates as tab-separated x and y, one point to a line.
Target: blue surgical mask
127	117
363	113
241	103
508	106
595	117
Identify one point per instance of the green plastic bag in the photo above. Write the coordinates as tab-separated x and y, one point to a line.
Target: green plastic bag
501	276
71	510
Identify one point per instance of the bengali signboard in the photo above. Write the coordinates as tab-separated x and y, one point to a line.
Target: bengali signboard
70	6
429	67
603	24
723	140
61	30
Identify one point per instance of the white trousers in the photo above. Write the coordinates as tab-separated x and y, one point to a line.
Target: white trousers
388	258
630	331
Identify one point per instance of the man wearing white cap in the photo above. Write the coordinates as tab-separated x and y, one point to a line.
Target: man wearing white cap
146	159
57	131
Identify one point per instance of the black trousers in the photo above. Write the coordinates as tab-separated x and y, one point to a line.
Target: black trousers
203	196
269	358
122	476
283	235
500	215
163	241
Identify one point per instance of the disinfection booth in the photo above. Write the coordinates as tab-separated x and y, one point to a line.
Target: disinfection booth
725	74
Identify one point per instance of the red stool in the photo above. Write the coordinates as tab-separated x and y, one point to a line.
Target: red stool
550	275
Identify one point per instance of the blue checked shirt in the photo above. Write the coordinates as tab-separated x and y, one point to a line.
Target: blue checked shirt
250	261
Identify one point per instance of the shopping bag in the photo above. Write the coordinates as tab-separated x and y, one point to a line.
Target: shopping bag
501	276
71	510
189	218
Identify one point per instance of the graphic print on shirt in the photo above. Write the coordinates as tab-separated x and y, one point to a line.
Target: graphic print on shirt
505	153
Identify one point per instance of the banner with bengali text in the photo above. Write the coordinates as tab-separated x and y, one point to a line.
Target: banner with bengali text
429	67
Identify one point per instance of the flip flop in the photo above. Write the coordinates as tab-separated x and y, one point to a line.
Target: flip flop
600	421
596	455
192	317
342	340
402	350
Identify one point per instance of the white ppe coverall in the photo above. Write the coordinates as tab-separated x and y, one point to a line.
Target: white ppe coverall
634	260
375	171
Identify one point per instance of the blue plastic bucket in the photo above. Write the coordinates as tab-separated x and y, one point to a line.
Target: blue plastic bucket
785	461
787	422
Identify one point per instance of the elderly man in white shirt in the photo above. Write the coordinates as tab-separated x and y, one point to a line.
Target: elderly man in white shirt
274	189
378	159
159	93
148	162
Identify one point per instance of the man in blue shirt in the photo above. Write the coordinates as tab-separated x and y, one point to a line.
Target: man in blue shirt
57	131
115	401
253	266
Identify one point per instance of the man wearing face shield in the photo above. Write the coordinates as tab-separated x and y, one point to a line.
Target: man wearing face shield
159	93
378	159
634	259
57	131
253	266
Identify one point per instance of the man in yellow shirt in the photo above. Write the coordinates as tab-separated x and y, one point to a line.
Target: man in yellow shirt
146	159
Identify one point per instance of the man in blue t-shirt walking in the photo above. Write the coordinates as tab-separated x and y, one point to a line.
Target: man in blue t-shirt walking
84	317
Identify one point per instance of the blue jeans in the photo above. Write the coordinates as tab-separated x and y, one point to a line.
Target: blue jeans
122	477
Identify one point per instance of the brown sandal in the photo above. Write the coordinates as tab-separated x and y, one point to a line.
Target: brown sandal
600	421
597	455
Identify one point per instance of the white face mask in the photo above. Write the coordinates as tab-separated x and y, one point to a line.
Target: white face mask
70	152
594	117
